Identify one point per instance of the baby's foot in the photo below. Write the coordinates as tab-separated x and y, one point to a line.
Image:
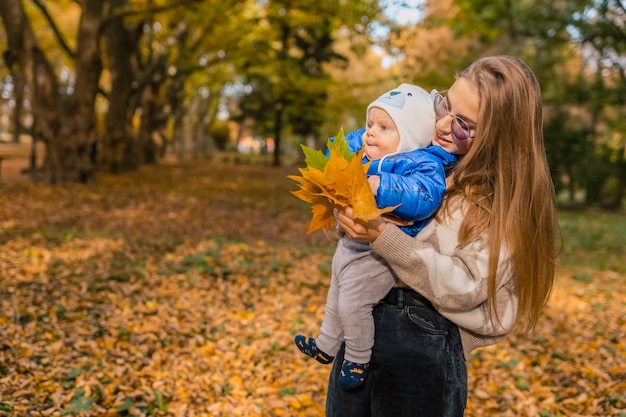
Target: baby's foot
352	374
308	347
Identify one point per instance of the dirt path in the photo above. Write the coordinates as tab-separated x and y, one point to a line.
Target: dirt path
14	161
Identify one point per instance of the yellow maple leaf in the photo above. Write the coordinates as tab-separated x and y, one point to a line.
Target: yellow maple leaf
320	200
336	181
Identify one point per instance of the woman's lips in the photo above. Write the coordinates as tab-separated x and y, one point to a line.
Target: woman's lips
440	139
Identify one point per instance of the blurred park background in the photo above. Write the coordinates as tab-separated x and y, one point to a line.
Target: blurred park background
112	85
152	259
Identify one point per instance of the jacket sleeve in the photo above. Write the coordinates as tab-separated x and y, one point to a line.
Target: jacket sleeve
416	182
454	280
354	139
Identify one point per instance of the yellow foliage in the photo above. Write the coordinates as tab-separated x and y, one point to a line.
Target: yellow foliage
341	183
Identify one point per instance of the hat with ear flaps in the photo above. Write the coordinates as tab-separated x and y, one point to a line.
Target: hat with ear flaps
411	109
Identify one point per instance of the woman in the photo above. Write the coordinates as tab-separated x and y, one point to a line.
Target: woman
483	266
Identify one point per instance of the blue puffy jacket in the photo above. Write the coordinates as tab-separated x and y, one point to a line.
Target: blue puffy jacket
416	180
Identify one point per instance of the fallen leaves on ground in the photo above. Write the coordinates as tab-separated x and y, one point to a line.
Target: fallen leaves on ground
177	291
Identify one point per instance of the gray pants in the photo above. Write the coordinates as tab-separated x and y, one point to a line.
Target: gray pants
360	279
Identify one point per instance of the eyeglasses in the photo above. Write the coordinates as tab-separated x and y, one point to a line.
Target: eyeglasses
460	130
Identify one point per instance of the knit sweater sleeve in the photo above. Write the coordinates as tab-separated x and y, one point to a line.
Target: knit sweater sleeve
454	279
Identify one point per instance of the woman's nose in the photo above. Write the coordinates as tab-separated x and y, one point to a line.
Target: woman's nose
443	124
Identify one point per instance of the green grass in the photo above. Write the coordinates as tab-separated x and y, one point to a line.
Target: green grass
593	240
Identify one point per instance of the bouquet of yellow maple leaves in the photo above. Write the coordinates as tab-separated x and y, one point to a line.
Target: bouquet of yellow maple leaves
336	180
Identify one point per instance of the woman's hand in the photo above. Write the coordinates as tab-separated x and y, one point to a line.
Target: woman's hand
364	231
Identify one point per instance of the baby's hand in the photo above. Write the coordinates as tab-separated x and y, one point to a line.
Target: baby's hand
374	182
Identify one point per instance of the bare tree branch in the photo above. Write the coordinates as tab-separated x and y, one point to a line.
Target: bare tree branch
149	10
55	28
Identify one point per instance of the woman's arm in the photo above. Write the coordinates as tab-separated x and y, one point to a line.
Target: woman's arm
453	279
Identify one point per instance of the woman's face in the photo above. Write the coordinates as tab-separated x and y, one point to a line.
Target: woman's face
462	101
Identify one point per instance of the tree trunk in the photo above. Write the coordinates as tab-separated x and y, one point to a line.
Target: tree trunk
182	140
620	178
202	107
179	141
18	85
81	128
38	74
145	152
117	140
278	126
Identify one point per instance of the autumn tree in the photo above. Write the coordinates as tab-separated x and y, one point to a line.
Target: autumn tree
153	53
148	51
577	50
285	61
601	33
64	123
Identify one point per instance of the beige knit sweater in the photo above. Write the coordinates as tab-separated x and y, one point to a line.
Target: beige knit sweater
454	279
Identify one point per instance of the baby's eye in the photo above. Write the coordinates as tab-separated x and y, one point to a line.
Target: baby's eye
384	127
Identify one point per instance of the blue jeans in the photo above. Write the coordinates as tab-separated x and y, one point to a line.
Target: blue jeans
417	368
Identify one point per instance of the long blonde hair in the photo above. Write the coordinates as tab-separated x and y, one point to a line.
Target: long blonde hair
506	180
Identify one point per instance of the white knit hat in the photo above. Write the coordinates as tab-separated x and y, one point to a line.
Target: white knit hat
411	109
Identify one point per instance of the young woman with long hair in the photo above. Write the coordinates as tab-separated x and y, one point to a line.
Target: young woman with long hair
482	268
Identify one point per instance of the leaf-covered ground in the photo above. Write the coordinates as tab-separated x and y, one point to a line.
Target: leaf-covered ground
177	290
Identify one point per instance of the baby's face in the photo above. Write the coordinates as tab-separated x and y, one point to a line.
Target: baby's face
381	136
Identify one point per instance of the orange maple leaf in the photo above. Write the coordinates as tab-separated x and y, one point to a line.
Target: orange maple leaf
336	181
